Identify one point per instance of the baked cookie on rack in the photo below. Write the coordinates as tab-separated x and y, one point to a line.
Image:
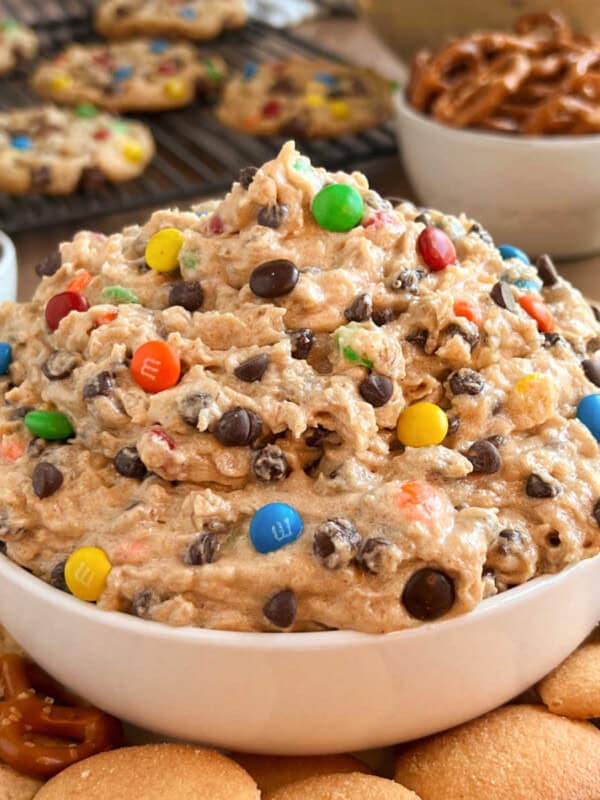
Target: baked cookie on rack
305	98
192	19
18	43
139	75
55	151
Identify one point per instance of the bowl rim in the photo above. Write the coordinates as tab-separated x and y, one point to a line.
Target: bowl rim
403	106
314	640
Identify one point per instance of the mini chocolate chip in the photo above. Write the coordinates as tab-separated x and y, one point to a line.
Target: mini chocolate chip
274	278
428	594
272	216
128	463
592	345
203	550
281	609
497	440
49	265
418	338
378	555
3	548
360	309
142	602
484	456
596	511
539	488
238	427
550	339
546	270
376	390
511	535
595	312
187	294
381	316
270	464
394	200
57	576
480	231
46	479
301	342
453	425
424	219
253	368
20	412
408	280
336	543
591	368
92	179
466	381
503	296
59	365
467	331
553	539
41	177
316	436
190	405
100	385
246	176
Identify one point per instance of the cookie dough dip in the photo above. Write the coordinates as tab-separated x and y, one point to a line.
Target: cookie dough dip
302	408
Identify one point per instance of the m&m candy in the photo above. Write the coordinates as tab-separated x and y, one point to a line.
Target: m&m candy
250	70
326	78
338	207
436	248
155	367
5	357
176	89
339	109
508	251
122	73
187	12
422	425
159	45
21	141
61	305
274	526
86	573
162	251
588	412
119	294
536	309
86	110
61	82
49	425
133	151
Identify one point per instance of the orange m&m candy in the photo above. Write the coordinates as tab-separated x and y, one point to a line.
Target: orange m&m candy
539	311
155	367
467	309
79	282
419	501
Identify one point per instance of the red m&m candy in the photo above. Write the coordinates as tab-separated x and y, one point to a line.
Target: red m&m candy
62	304
436	249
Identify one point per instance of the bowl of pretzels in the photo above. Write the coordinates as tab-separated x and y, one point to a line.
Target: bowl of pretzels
507	126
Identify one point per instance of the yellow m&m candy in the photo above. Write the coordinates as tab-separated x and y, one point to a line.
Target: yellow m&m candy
527	382
339	109
176	89
314	100
61	82
86	572
162	251
422	425
133	151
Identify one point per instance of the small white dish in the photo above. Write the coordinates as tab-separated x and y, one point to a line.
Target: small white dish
541	193
8	269
303	693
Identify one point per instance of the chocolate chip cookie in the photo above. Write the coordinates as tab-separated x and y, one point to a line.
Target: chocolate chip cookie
18	44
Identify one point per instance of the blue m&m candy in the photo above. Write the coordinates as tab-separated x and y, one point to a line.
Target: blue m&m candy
122	73
159	45
5	357
21	141
250	70
508	251
274	526
326	78
187	12
588	412
530	286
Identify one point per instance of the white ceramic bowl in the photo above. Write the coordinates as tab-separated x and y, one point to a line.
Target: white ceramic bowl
541	194
303	693
8	269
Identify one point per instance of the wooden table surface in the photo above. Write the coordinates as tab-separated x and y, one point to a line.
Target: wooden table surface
353	40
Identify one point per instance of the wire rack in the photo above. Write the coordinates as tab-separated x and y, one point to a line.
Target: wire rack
196	155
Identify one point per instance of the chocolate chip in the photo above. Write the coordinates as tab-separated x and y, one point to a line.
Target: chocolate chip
272	216
49	265
57	576
187	294
503	296
20	412
591	368
336	543
381	316
281	609
480	231
484	456
142	602
592	345
551	339
238	427
128	463
190	405
316	436
253	368
539	488
408	280
203	550
394	200
41	178
596	512
246	176
274	278
595	312
418	338
301	342
428	594
553	539
424	219
546	270
59	365
379	556
376	390
467	331
46	479
466	381
360	309
92	180
270	464
101	385
453	425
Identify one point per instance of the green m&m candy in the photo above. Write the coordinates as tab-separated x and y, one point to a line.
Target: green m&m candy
338	207
49	425
120	294
86	110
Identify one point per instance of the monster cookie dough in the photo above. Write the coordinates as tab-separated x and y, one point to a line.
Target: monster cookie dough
56	151
18	44
192	19
305	98
141	75
297	409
